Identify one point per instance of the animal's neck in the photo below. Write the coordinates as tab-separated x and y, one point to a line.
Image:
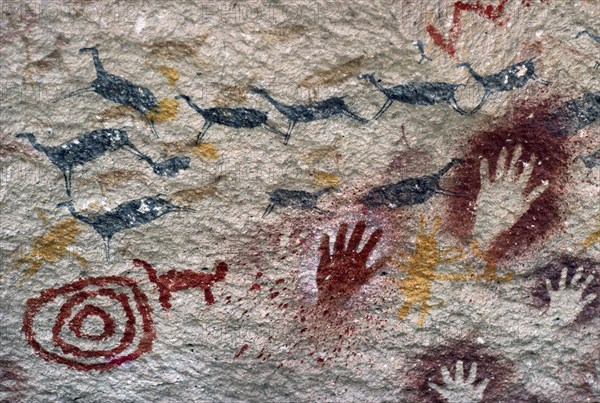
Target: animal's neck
36	145
472	72
376	83
195	107
272	101
74	213
445	169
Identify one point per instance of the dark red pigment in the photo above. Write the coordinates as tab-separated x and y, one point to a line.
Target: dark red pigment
499	371
488	12
182	280
242	351
528	126
90	310
553	270
77	295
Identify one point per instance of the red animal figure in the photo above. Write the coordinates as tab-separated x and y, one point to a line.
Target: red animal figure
175	281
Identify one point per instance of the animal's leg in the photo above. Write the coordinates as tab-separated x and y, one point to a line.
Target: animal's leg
270	208
33	268
354	116
74	93
152	128
272	129
455	106
541	80
288	134
203	131
386	105
82	262
67	176
597	65
134	150
403	311
208	296
483	99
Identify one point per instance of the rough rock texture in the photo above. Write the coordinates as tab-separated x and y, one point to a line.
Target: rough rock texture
355	262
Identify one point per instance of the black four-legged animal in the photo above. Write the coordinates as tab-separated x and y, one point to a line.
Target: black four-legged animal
119	90
309	112
409	191
427	93
508	79
299	199
232	117
129	214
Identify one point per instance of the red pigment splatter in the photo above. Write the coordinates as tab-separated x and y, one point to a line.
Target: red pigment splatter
529	127
259	274
76	296
488	12
255	287
274	294
280	281
182	280
242	351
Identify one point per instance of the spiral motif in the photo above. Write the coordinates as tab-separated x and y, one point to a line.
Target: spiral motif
91	324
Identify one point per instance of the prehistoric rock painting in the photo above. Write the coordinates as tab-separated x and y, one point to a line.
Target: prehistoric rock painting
182	280
420	270
344	271
507	79
126	330
90	146
124	92
595	38
410	191
129	214
52	246
233	117
296	113
416	94
298	199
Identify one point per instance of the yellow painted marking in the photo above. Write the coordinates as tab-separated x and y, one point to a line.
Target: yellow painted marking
52	246
169	72
592	239
326	179
166	111
206	150
420	269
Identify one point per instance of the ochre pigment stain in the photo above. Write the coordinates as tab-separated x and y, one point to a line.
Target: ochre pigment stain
420	269
326	179
206	151
165	112
527	126
169	72
52	246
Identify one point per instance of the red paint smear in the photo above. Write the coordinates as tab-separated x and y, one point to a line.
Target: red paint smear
488	12
280	281
527	126
182	280
274	294
34	305
255	287
242	351
259	274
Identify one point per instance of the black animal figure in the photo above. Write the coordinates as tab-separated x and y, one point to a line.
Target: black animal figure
590	161
232	117
119	90
574	115
508	79
409	191
325	109
428	93
595	38
419	44
84	148
129	214
90	146
298	199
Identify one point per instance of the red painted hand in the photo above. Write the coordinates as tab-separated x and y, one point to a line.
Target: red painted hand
341	274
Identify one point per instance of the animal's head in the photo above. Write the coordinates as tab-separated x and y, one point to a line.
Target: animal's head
256	90
184	97
463	64
68	203
92	49
367	76
28	136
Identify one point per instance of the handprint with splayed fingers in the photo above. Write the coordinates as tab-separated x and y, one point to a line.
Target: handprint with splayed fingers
567	302
460	389
501	202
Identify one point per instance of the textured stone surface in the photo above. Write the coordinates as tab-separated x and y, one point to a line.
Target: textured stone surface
286	319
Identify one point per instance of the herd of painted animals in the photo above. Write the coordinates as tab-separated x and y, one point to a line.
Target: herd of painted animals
341	271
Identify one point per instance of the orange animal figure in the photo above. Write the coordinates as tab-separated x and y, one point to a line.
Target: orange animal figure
182	280
52	246
420	270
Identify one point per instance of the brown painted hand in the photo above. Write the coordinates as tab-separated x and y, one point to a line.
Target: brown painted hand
341	274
